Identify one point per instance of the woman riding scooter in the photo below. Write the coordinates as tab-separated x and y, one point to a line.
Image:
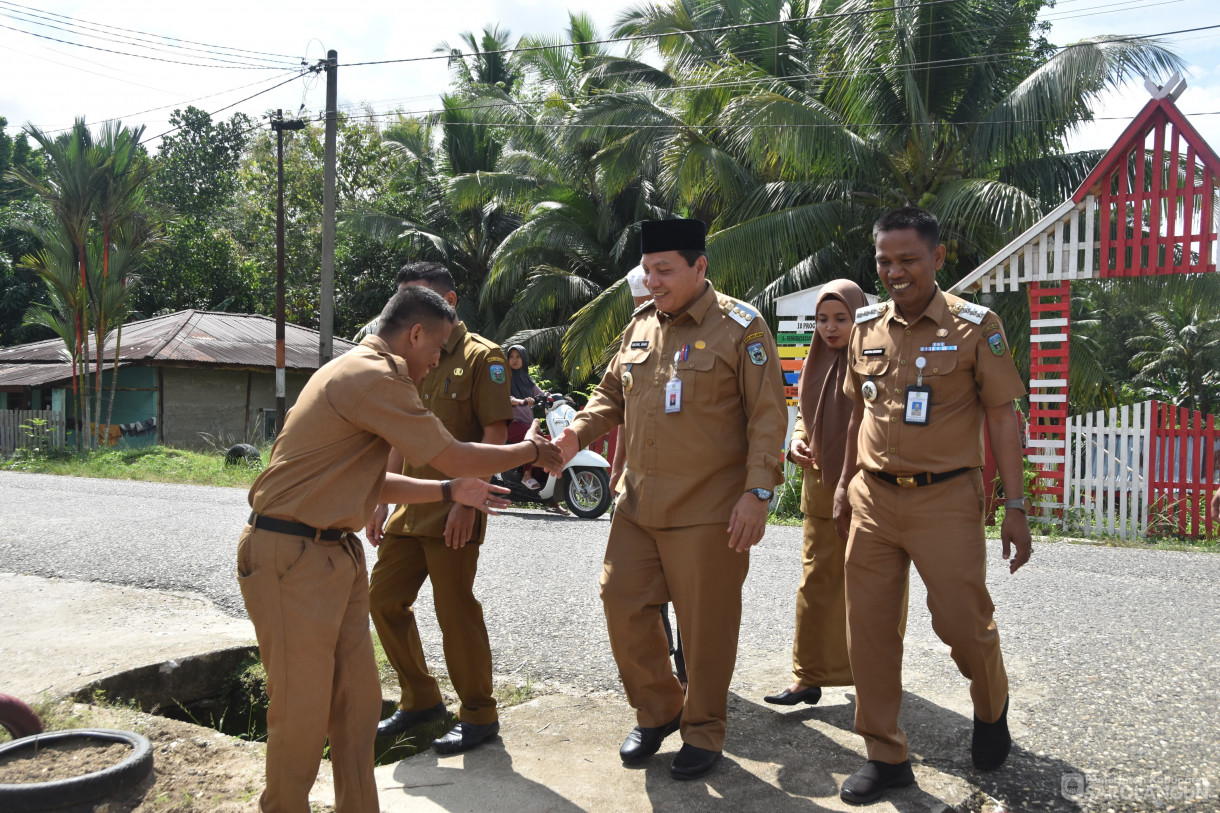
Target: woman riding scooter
524	394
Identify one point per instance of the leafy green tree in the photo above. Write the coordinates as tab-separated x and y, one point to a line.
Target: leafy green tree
200	263
18	209
364	173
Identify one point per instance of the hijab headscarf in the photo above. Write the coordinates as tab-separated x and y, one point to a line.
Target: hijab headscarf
825	410
522	385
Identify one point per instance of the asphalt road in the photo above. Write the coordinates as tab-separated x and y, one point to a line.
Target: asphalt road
1112	653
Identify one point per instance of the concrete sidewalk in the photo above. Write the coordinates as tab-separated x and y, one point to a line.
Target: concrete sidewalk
558	752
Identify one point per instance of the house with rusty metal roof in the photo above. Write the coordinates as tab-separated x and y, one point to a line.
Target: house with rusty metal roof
186	379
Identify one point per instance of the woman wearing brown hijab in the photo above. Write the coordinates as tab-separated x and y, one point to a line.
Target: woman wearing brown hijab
819	649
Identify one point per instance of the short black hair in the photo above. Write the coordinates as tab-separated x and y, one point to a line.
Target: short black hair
434	275
412	306
922	221
691	254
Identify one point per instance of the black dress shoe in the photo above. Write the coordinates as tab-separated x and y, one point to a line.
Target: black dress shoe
991	742
401	721
464	736
867	784
810	695
643	742
693	762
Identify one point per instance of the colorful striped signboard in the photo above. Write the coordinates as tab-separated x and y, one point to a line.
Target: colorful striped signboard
793	339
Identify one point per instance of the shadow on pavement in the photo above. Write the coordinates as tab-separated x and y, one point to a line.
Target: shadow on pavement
463	783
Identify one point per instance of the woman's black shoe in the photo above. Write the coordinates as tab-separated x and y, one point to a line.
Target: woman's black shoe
810	695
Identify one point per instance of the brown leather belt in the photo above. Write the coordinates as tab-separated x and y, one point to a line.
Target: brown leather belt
918	480
284	526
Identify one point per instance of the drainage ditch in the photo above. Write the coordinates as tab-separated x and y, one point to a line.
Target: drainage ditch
226	690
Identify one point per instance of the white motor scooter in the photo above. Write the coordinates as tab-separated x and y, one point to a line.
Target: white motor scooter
585	483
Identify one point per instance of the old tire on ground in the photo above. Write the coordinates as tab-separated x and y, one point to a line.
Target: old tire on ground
28	798
586	490
18	718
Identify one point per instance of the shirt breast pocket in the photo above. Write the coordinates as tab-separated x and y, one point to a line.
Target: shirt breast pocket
453	401
636	371
872	368
939	364
698	376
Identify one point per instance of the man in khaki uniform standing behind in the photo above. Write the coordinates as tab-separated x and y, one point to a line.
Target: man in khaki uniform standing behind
698	388
301	569
926	371
468	390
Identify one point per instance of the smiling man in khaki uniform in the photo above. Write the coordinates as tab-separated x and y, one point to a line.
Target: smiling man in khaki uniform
468	390
698	388
927	370
301	569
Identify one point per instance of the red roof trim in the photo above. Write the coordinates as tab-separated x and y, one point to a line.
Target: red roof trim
1135	134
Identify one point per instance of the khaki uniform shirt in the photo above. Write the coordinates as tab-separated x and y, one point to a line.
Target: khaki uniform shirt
468	390
974	371
328	464
690	467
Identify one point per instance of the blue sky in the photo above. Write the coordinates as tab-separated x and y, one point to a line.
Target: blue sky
50	83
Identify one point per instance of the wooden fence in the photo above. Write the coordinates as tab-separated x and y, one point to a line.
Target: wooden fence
1146	469
19	428
1106	487
1183	471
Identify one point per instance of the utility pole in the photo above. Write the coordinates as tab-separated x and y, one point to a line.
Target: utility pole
279	125
326	313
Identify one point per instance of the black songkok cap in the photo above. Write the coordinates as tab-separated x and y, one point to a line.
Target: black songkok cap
672	235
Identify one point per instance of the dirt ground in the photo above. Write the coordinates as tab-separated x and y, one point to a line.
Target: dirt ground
194	768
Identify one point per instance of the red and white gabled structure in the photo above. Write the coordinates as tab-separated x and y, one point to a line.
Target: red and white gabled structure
1148	208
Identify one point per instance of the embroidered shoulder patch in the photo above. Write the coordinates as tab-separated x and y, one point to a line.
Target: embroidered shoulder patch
869	312
758	353
996	342
497	373
753	336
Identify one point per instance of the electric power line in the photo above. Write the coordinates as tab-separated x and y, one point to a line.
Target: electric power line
124	40
754	80
234	104
144	56
295	74
639	37
136	31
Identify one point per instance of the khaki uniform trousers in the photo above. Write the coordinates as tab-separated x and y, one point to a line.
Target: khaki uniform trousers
940	529
694	568
308	601
403	563
819	648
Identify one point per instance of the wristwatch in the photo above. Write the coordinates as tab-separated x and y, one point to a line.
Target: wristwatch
762	494
1023	504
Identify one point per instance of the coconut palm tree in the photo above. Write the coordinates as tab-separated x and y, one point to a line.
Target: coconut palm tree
791	136
1178	359
958	107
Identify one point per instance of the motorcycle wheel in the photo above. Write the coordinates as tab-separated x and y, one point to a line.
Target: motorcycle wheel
587	491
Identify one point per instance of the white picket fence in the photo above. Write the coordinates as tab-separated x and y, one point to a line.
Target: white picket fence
1107	482
14	436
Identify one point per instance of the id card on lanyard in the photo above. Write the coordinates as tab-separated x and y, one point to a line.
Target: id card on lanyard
919	399
673	387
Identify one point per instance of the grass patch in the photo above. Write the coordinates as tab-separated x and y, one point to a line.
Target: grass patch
56	715
161	464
